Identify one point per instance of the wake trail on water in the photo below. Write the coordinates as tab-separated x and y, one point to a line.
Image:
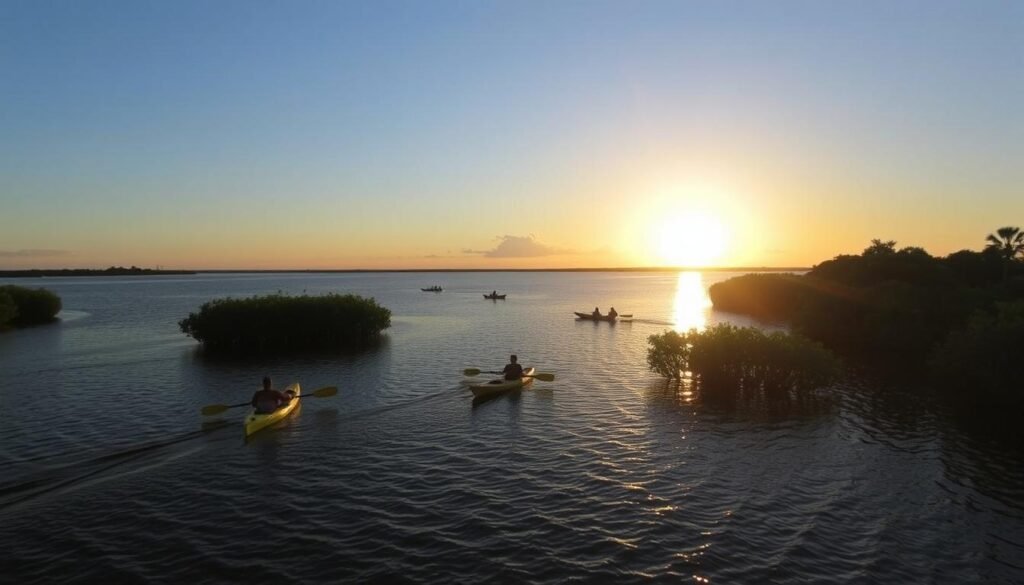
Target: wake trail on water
63	478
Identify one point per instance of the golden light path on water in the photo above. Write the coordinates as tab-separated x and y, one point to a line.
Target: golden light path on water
692	304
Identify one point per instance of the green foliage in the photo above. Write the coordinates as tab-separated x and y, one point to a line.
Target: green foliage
281	322
8	310
34	306
772	297
884	302
743	360
986	357
669	354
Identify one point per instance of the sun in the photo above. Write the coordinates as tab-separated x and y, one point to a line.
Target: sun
691	240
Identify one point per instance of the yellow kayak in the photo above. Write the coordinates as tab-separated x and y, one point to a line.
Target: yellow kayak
255	422
501	385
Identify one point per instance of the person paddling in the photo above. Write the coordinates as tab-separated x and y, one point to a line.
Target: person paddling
612	314
596	313
513	371
268	400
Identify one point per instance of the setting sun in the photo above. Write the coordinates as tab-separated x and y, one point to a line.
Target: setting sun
691	240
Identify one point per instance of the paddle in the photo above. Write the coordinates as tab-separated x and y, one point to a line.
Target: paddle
543	377
219	408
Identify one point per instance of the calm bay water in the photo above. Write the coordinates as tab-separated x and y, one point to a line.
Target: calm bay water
605	475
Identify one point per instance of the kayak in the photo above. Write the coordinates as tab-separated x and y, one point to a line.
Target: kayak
495	297
591	317
501	385
431	289
255	422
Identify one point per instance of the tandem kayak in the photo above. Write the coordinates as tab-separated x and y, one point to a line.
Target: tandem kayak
591	317
255	422
501	385
495	297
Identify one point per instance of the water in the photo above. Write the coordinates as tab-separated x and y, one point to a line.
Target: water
607	474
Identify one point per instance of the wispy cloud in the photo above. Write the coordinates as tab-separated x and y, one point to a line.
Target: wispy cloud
518	247
33	253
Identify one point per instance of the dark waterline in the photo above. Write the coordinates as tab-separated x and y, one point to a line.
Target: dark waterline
605	475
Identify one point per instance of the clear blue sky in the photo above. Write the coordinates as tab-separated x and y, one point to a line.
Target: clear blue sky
423	133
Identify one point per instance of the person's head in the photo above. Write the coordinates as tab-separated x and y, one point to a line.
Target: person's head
612	309
266	383
513	358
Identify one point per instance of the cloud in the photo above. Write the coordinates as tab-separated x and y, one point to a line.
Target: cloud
33	253
518	247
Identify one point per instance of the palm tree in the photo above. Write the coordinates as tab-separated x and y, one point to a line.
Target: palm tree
1008	242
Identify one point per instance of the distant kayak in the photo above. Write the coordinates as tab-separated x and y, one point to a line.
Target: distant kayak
501	385
255	422
432	289
495	297
591	317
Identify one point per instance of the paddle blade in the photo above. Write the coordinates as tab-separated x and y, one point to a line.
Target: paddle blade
470	372
325	392
545	377
214	409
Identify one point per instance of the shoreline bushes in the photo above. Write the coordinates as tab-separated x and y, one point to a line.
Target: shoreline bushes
985	358
957	317
280	322
24	307
744	360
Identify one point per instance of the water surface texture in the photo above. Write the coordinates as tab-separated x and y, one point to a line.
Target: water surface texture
606	475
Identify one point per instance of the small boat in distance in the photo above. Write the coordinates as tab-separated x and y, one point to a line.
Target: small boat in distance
495	297
592	317
432	289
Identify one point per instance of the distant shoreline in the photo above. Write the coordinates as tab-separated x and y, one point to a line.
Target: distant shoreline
38	273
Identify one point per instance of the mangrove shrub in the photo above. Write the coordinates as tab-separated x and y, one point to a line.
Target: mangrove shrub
743	359
986	358
282	322
7	309
33	306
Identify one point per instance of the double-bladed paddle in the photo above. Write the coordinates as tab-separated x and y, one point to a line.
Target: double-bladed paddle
219	408
543	377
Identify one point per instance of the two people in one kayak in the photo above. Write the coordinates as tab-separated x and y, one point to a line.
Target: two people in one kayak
268	400
612	314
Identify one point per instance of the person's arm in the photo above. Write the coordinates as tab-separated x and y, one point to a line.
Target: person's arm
254	397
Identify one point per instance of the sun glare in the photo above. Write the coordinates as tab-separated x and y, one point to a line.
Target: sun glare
691	240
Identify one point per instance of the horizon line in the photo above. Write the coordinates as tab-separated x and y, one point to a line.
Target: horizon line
99	271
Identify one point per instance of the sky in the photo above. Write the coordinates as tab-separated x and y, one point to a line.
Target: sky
375	135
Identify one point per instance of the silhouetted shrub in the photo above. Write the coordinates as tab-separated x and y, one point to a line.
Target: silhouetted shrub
669	354
281	322
7	309
986	357
34	305
743	360
773	297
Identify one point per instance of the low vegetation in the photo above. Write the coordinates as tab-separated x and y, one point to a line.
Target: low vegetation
23	307
985	359
284	323
743	361
894	304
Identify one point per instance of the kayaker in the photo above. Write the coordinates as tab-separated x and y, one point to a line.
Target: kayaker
268	400
612	314
513	371
597	313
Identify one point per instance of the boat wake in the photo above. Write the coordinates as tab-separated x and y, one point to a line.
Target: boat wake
61	478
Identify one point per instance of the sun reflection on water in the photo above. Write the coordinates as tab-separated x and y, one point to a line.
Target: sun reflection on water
692	303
